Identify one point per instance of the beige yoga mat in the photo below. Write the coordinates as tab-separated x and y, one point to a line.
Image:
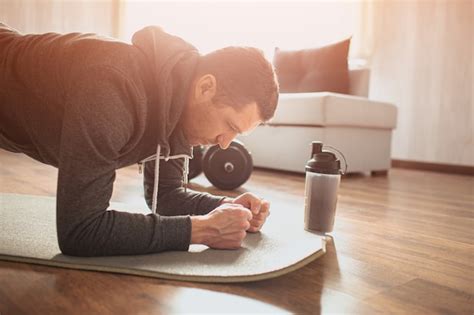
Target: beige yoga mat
28	234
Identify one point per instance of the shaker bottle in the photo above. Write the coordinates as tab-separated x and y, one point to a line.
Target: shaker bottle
323	175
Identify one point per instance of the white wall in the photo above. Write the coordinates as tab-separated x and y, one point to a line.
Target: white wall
423	63
62	16
209	25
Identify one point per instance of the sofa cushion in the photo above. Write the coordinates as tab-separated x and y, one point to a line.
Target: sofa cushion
313	70
331	109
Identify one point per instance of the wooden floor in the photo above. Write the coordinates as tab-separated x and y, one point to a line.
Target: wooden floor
402	244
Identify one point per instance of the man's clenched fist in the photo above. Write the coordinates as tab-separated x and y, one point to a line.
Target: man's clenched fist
222	228
260	209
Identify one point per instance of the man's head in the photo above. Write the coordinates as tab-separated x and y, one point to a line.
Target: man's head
234	90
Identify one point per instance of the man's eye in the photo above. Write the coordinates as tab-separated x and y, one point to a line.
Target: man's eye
233	128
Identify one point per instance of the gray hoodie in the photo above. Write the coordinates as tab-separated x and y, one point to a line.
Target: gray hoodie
89	105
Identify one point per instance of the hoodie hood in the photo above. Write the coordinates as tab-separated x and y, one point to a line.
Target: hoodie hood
173	62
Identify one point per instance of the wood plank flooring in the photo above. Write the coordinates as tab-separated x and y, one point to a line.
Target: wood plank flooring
403	244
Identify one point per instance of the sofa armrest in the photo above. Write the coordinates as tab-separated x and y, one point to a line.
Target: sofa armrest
359	81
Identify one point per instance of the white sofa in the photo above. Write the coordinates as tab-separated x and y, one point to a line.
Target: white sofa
359	127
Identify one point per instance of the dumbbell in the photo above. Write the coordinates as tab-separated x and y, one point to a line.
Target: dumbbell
226	169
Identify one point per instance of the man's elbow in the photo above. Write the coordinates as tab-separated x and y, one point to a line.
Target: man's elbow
71	246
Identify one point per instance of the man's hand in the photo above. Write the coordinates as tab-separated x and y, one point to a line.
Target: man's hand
222	228
260	209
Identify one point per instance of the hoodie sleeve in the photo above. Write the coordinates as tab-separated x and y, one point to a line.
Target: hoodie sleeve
97	124
172	199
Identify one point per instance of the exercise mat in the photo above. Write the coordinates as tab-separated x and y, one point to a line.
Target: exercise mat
28	234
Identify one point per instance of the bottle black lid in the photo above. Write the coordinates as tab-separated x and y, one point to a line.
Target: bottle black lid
324	162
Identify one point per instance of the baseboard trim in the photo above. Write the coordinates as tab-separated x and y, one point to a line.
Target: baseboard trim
434	167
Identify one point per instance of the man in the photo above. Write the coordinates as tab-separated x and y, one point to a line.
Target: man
89	105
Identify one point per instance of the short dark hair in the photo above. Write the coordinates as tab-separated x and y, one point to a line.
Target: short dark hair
243	75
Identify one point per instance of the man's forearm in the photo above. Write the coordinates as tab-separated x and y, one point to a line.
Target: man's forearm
121	233
172	202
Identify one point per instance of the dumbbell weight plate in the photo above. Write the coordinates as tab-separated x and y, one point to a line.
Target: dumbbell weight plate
195	164
227	169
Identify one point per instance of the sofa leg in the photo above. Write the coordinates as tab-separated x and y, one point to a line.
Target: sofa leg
379	173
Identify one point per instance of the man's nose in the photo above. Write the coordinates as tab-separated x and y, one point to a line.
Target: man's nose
224	141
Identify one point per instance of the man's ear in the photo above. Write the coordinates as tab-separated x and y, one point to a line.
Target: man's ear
205	88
